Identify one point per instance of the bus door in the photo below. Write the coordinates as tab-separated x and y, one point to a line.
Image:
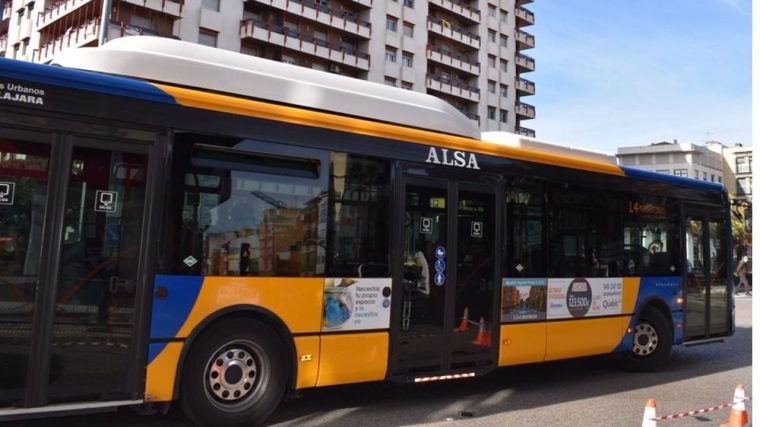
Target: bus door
72	250
707	312
446	283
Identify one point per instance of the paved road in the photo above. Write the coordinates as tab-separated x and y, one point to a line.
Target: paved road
588	392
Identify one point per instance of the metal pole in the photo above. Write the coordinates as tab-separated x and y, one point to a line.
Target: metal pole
105	22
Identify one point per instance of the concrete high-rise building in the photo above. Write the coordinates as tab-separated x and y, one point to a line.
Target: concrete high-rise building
469	53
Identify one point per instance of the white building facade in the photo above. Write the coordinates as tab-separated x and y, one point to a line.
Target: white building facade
469	53
673	158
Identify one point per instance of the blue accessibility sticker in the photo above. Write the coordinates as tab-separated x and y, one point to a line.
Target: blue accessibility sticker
439	279
440	252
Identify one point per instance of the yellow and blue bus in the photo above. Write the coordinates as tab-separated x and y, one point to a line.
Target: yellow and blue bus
181	223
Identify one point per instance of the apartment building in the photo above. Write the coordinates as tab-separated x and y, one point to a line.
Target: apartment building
674	158
469	53
737	167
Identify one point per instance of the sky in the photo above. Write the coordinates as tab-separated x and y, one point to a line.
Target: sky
617	73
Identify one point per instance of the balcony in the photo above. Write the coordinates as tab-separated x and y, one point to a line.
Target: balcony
333	18
524	63
524	17
524	40
445	84
3	43
523	2
7	10
526	110
445	29
168	7
525	87
73	37
58	10
461	9
526	132
458	62
280	36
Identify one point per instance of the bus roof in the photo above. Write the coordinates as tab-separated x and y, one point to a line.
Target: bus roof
158	59
519	141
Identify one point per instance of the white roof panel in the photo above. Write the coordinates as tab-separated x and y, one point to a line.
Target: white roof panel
189	64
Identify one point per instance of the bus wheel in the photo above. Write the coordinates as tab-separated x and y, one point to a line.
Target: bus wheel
235	374
652	342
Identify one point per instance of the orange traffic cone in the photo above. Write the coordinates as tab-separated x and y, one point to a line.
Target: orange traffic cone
650	412
465	323
738	416
484	337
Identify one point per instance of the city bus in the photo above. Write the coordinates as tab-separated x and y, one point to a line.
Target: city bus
186	224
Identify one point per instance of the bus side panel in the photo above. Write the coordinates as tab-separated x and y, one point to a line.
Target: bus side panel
161	372
307	355
353	358
666	289
296	301
584	337
522	343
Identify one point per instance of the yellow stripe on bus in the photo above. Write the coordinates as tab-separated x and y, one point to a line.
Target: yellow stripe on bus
353	358
264	110
630	293
296	301
522	343
161	373
584	337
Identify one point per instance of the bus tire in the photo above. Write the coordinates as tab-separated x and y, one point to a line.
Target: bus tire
235	374
652	342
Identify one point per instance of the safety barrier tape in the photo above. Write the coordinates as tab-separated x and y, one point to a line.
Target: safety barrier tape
698	411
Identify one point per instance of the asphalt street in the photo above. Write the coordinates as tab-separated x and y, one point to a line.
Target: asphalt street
587	392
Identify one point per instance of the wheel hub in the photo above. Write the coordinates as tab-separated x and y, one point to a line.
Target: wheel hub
644	339
231	374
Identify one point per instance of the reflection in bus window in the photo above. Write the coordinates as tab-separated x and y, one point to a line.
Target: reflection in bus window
526	256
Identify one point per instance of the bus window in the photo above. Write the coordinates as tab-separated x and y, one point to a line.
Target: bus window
526	255
360	198
650	239
251	208
584	233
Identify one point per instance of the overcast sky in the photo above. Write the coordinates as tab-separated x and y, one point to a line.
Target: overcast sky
612	73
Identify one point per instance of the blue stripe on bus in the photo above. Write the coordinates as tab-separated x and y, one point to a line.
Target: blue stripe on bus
168	314
646	175
664	288
82	80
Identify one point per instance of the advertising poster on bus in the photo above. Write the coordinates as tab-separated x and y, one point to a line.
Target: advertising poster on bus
570	298
523	299
354	304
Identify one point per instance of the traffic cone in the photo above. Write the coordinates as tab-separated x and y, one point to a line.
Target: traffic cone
484	337
465	323
738	416
650	412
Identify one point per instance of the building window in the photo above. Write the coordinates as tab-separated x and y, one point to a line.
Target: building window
720	179
712	177
504	91
696	174
210	5
390	54
503	16
288	59
391	23
503	40
665	171
503	65
743	165
491	113
408	29
492	36
503	116
407	85
407	59
409	3
390	81
491	61
681	172
491	86
207	37
491	10
704	176
744	186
